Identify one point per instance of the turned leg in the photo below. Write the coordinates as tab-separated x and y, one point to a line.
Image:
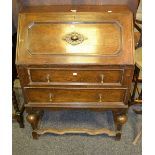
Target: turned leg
33	119
18	112
119	120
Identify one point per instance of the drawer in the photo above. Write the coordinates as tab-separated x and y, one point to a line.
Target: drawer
51	76
59	95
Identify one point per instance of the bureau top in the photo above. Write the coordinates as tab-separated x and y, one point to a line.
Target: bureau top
75	35
79	8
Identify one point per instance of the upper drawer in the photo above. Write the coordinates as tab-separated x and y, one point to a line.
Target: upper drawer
53	76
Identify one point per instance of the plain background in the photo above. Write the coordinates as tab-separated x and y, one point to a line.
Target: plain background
148	77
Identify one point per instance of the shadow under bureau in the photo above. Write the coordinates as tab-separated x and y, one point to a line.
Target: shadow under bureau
75	57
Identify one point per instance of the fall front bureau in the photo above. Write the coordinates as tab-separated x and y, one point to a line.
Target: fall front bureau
75	57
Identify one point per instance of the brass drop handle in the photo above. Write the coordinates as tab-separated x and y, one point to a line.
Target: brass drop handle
100	97
51	97
102	78
48	78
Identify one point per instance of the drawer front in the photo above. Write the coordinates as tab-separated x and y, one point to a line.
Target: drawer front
75	76
59	95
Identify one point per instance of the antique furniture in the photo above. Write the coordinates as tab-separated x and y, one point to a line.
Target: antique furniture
18	110
136	97
76	57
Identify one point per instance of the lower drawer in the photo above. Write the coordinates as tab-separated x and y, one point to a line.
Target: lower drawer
65	95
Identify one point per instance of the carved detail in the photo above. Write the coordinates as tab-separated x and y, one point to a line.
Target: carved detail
74	131
74	38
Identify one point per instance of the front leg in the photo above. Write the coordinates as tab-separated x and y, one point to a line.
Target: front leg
33	118
119	119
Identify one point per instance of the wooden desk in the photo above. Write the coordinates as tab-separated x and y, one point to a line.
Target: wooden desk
75	57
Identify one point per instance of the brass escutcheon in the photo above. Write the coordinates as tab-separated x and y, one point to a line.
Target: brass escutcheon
74	38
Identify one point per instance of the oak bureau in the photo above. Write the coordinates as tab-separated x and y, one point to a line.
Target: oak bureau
75	57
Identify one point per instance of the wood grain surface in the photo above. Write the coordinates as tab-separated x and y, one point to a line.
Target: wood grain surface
108	38
56	73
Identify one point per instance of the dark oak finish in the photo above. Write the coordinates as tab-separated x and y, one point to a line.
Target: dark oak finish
51	76
102	47
60	95
77	75
76	60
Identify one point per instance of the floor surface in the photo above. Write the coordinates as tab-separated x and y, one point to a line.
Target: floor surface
77	144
